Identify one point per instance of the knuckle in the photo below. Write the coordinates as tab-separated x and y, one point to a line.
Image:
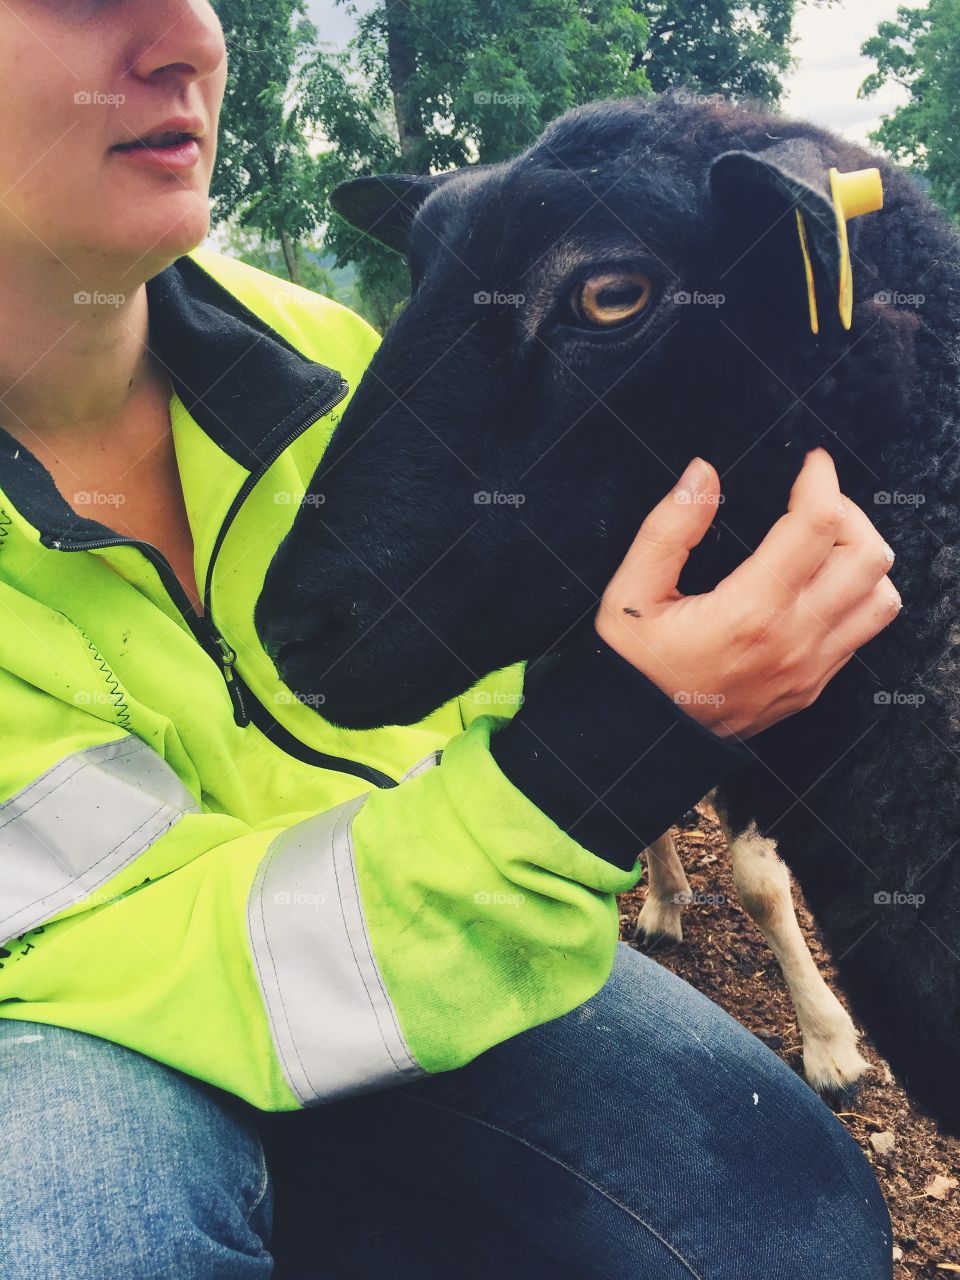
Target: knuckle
805	677
621	599
825	518
615	595
804	674
807	691
660	540
756	623
662	525
746	629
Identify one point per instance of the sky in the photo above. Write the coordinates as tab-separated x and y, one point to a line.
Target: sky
824	86
334	24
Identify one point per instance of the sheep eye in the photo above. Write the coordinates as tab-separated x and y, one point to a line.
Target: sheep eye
611	298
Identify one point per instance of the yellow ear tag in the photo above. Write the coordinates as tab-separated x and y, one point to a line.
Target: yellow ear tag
808	271
854	193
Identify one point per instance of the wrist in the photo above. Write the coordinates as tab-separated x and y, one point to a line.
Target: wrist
708	709
606	754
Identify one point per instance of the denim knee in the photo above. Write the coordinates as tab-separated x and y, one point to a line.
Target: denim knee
761	1128
831	1218
123	1167
676	1141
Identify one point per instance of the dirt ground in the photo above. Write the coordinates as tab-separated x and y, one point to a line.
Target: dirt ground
724	955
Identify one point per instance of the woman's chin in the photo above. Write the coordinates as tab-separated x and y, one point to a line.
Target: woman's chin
168	241
143	246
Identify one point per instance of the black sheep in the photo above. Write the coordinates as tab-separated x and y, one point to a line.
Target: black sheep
404	586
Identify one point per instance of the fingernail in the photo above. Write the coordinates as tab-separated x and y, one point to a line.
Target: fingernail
694	479
890	553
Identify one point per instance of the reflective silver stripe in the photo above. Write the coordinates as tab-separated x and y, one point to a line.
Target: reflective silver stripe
334	1027
73	828
428	762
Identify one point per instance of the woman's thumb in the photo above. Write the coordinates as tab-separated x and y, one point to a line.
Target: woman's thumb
651	568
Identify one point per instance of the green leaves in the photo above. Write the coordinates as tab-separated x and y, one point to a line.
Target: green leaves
733	47
265	174
920	51
428	85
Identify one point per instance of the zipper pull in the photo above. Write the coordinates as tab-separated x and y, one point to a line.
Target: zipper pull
226	657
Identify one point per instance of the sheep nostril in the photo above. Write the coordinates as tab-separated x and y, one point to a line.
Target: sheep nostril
320	633
289	650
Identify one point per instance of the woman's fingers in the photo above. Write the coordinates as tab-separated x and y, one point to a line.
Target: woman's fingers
867	619
765	642
796	545
854	566
816	482
845	580
649	572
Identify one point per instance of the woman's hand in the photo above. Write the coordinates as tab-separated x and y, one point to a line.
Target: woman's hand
766	640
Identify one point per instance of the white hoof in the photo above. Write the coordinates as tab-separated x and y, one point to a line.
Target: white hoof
832	1064
660	921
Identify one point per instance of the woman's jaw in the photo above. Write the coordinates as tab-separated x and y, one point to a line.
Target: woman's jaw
110	140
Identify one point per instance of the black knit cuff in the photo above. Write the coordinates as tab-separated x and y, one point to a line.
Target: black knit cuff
608	755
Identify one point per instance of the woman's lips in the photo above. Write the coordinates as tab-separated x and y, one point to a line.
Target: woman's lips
177	155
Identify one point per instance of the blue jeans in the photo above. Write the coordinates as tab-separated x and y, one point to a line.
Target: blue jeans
645	1135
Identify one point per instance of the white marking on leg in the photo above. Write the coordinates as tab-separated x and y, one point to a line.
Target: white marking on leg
668	894
831	1059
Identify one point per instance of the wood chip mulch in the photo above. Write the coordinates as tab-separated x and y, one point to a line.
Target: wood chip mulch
724	955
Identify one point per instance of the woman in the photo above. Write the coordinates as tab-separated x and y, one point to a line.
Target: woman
200	876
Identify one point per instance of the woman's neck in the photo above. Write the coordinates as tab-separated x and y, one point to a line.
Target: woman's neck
73	354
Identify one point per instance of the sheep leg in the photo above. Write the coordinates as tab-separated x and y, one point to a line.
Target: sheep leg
832	1063
668	894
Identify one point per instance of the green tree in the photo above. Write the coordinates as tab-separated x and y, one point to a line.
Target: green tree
428	85
740	48
250	246
920	51
359	137
265	178
478	79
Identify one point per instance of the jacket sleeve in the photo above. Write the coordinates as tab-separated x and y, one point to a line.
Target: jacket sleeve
403	931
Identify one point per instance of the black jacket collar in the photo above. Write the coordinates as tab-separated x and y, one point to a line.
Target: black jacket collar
242	382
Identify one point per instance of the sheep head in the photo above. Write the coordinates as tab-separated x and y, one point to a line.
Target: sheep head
583	319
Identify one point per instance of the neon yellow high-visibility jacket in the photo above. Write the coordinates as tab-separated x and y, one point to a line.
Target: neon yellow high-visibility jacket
196	865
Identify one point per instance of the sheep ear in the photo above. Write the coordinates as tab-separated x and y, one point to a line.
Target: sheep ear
778	225
384	206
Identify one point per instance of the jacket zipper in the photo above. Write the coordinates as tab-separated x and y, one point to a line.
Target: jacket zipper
203	627
221	651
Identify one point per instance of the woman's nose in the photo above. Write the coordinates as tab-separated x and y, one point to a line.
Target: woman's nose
178	38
